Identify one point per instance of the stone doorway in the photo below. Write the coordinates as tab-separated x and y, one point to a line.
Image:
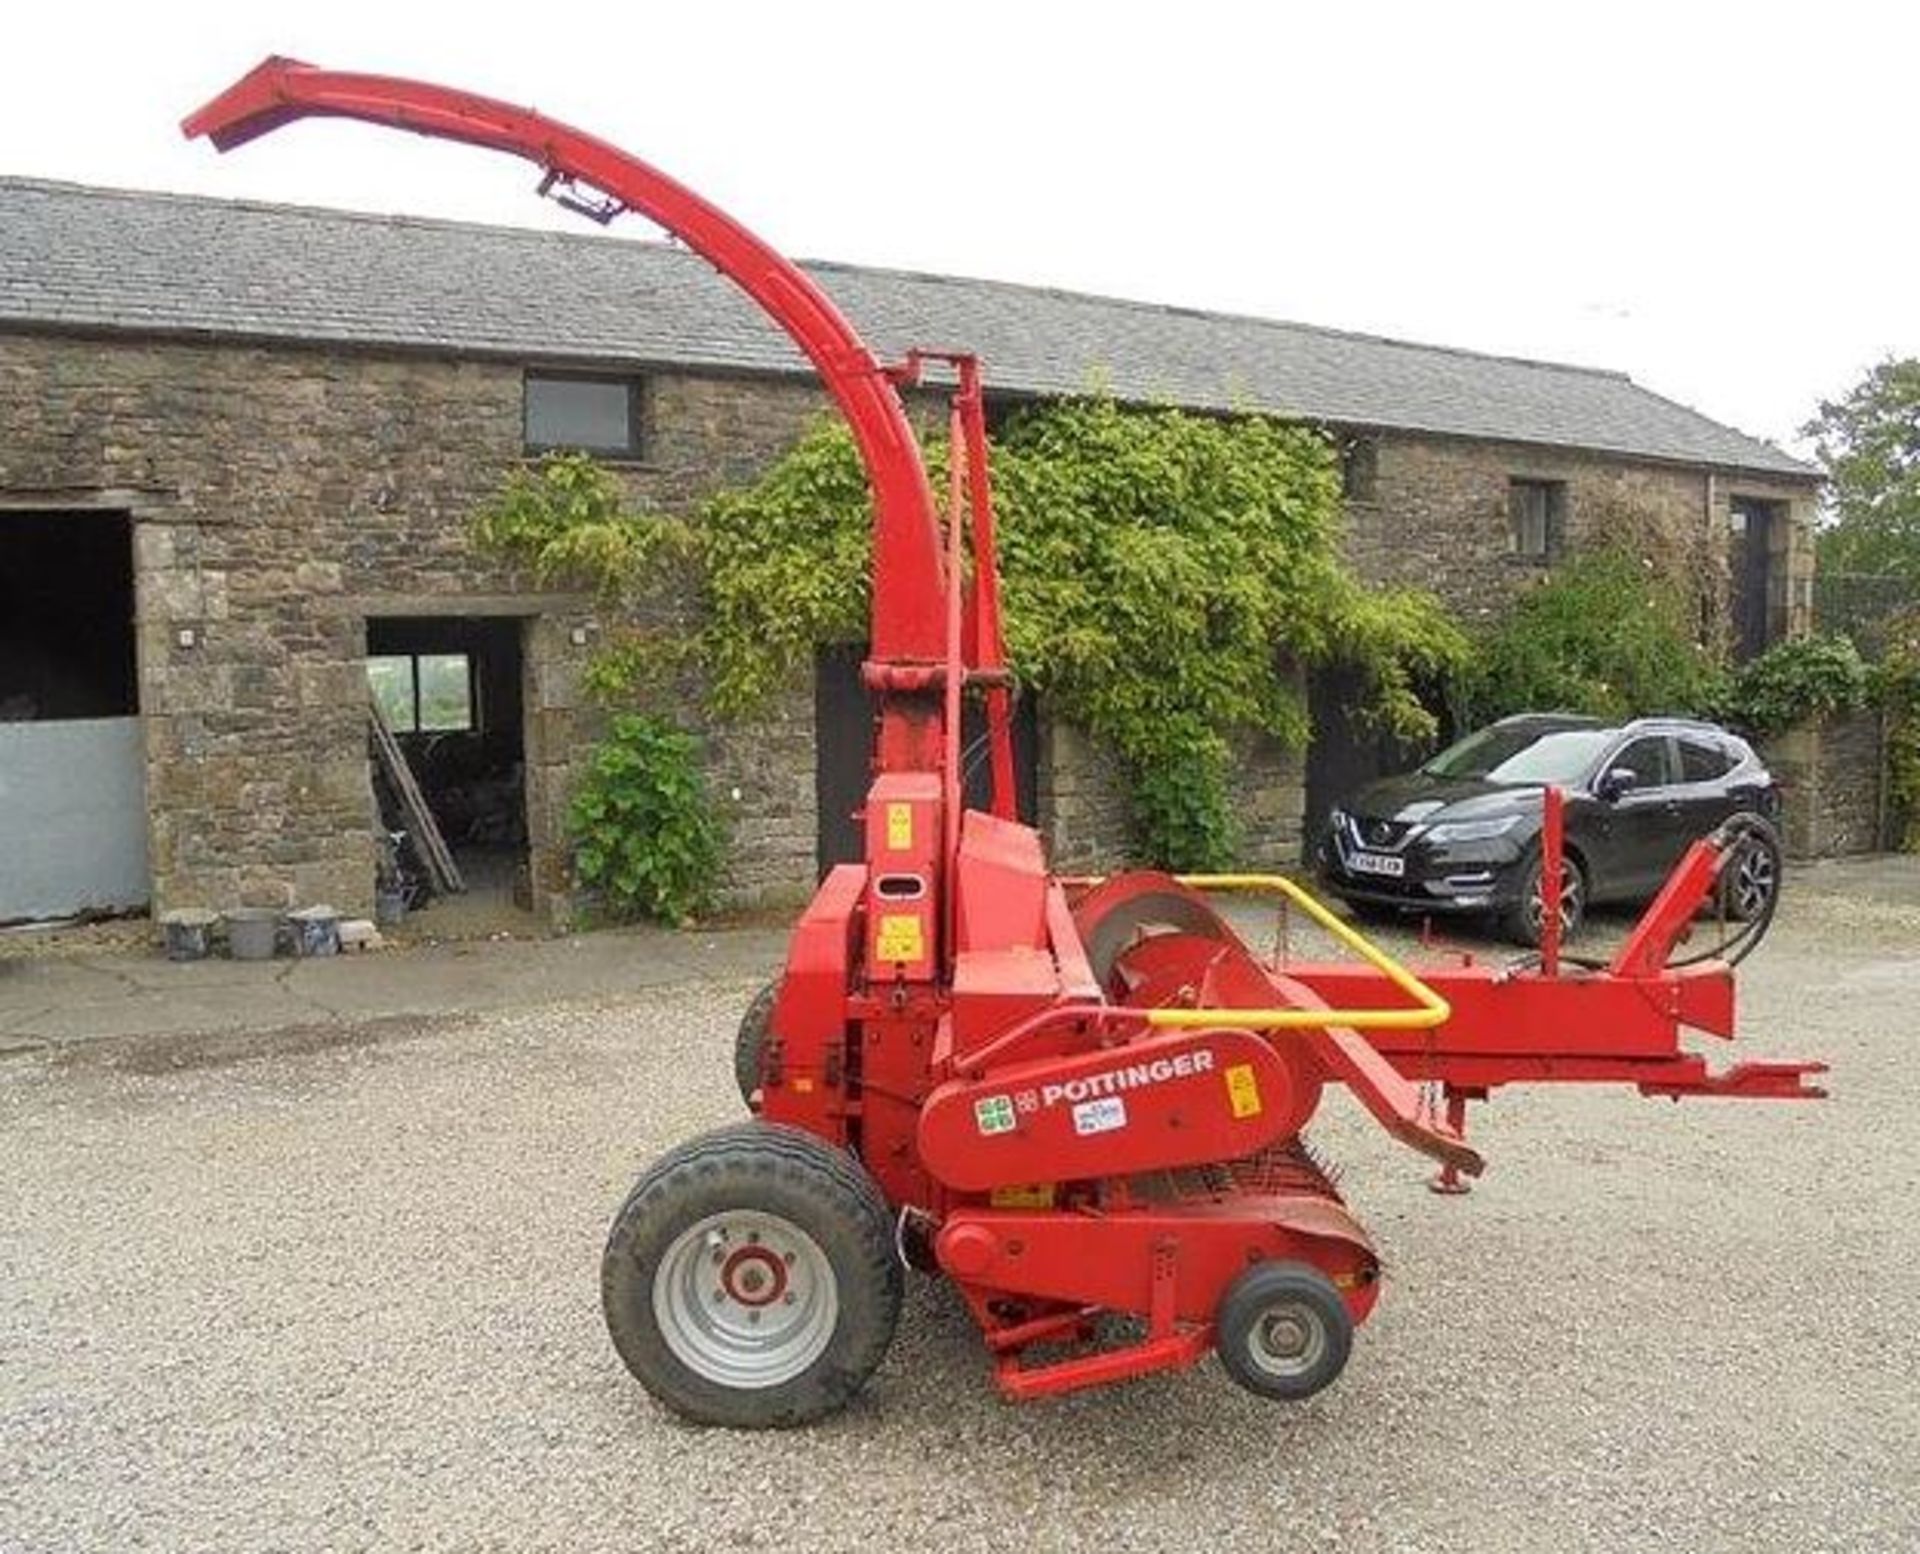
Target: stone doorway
844	716
452	688
73	814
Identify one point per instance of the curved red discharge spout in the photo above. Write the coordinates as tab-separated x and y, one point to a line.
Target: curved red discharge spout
908	585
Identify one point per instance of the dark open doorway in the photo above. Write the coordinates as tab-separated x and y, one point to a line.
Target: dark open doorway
1347	751
66	616
451	690
73	827
843	762
1758	617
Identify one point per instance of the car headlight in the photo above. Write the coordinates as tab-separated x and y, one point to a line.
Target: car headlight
1472	830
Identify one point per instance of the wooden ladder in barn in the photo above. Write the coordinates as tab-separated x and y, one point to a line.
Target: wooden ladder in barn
425	831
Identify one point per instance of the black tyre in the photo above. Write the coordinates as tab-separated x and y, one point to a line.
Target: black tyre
750	1278
1750	878
750	1044
1522	921
1283	1331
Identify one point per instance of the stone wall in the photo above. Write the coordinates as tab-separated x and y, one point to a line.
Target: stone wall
1833	777
1085	811
1437	518
1082	800
282	496
1270	802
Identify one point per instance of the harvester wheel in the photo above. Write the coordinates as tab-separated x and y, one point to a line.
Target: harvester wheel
750	1278
1283	1331
756	1029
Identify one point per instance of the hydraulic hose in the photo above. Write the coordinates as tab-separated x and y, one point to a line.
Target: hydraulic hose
1735	835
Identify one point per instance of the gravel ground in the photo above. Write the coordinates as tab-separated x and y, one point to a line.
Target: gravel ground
336	1289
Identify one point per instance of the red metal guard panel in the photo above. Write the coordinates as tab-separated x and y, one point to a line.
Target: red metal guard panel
1160	1101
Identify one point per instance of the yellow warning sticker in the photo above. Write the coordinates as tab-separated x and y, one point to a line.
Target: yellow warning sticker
899	827
1039	1196
1243	1090
900	938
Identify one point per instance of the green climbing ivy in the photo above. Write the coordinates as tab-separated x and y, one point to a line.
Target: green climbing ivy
1163	575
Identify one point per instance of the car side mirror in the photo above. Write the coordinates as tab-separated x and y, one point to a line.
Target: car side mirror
1618	780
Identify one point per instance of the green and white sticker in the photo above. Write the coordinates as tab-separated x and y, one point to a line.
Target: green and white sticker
994	1113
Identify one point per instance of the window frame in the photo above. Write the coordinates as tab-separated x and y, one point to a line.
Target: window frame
1710	743
412	661
1670	760
1553	518
633	451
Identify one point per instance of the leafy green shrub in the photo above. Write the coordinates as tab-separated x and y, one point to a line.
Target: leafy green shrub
1607	633
643	832
1808	677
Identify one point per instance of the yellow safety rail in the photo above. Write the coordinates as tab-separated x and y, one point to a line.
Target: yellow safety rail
1434	1010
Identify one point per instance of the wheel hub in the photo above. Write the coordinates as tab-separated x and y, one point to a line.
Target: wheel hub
1753	881
1287	1341
746	1299
753	1276
1569	901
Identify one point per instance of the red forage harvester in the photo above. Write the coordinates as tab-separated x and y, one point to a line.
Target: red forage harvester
1082	1101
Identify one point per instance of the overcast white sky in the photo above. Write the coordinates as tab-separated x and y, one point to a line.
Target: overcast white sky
1718	199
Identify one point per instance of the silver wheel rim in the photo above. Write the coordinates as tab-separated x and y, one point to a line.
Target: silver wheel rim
745	1299
1569	900
1288	1340
1753	881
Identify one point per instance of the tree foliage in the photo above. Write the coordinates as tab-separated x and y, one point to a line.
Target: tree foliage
1869	443
1163	574
1895	685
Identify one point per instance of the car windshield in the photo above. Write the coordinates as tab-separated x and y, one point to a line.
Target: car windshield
1521	754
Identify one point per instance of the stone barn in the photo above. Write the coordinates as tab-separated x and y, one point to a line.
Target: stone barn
239	444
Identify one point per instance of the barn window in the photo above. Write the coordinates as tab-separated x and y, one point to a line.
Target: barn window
423	693
1538	510
591	414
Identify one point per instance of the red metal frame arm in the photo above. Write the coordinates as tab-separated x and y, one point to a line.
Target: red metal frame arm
991	645
907	570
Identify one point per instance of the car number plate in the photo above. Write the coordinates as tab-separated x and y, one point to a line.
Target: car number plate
1377	863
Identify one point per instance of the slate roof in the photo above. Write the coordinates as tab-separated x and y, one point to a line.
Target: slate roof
121	260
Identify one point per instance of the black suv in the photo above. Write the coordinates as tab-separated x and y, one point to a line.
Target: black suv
1462	833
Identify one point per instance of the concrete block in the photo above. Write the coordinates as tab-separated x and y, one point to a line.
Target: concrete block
357	936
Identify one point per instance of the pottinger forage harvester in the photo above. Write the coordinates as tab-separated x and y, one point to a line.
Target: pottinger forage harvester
1077	1099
